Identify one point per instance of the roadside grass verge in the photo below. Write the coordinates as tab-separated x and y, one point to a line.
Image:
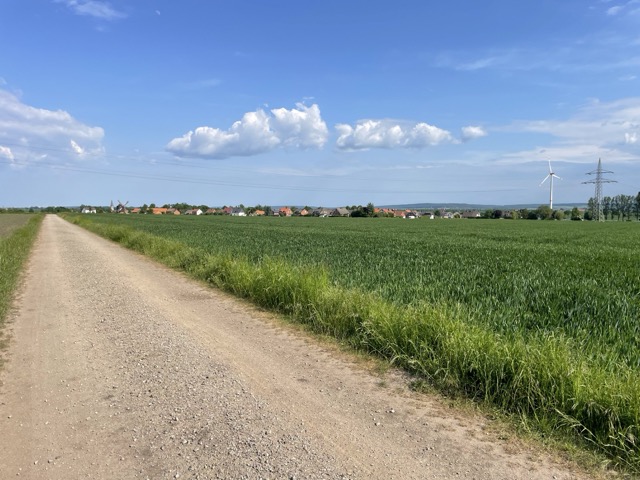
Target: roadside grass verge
11	221
14	250
543	379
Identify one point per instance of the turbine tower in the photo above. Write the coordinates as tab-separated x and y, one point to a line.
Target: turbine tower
550	177
599	180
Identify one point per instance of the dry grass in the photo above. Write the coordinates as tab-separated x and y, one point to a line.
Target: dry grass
11	221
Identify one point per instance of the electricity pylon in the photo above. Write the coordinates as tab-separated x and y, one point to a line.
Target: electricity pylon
598	181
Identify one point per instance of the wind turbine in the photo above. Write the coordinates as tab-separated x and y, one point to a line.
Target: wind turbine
550	177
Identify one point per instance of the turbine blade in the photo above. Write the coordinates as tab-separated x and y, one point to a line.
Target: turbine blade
550	171
545	179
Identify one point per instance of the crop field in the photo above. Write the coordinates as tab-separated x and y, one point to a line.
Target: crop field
10	221
581	280
539	318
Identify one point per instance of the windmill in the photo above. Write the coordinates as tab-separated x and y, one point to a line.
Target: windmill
550	178
121	207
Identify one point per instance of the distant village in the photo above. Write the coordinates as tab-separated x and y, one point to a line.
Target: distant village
542	212
261	211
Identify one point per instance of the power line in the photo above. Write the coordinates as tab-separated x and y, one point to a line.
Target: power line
191	164
205	181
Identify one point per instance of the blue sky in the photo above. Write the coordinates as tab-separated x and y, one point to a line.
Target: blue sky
328	103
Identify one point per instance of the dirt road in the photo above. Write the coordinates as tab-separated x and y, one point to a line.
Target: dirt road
119	368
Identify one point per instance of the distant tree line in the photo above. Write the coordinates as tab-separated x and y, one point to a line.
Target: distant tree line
37	209
13	210
620	207
543	212
359	211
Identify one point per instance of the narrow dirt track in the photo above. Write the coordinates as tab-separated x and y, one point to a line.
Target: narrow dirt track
119	368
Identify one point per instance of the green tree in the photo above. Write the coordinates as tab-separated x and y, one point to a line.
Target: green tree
182	206
370	210
591	209
360	211
606	207
626	206
616	207
575	214
544	212
357	211
558	215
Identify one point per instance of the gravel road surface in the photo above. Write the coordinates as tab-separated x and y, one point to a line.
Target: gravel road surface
119	368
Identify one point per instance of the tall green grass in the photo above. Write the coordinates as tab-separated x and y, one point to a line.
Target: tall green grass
541	373
14	250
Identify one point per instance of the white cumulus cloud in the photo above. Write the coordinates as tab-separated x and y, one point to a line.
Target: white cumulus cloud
472	132
76	148
257	132
33	133
5	152
367	134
